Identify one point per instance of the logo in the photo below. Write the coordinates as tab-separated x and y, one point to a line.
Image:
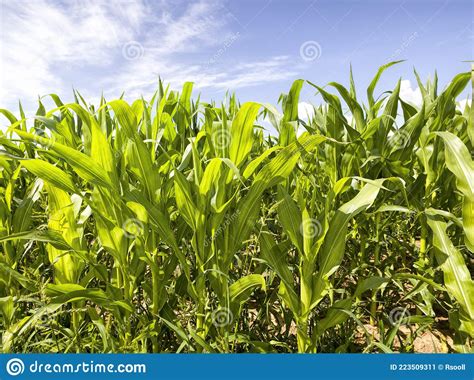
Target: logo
222	317
310	51
15	367
399	316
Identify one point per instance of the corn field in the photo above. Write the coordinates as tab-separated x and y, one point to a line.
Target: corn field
176	225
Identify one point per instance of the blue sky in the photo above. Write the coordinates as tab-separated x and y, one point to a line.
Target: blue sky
256	48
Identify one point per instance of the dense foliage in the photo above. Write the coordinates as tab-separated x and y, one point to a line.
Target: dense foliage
174	225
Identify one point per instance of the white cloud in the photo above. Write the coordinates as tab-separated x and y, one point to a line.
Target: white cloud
50	46
413	95
200	22
141	76
40	38
462	104
305	111
409	94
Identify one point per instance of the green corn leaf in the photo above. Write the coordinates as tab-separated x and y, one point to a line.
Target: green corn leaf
468	222
371	88
290	217
275	256
370	283
63	218
288	123
335	316
281	166
51	174
125	116
290	107
332	250
45	236
459	162
210	176
101	152
278	169
22	216
241	132
66	293
457	278
9	273
139	161
184	200
85	166
355	108
254	164
240	291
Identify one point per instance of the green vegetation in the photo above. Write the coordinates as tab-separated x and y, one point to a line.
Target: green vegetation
173	225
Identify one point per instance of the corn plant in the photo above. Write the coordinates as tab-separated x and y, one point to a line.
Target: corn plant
171	224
